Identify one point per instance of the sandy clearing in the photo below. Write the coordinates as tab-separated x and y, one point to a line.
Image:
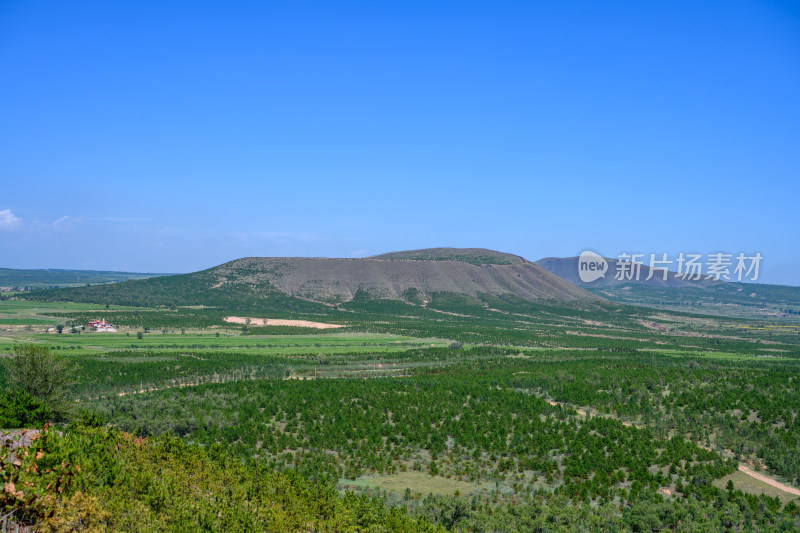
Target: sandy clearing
769	481
280	322
583	412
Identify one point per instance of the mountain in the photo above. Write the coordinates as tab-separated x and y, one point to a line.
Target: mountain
338	280
306	283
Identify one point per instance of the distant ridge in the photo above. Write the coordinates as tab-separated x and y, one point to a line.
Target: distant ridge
566	268
58	277
707	296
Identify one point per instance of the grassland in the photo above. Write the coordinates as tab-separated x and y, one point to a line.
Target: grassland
753	486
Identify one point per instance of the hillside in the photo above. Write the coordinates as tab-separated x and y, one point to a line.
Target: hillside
280	283
118	481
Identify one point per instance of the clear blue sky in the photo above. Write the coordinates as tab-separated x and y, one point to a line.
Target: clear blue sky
172	136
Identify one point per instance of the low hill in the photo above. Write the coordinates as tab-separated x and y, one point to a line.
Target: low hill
300	283
55	277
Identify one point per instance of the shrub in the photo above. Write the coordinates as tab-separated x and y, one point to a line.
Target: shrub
19	409
43	375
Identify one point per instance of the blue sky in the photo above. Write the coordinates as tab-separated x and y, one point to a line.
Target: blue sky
172	136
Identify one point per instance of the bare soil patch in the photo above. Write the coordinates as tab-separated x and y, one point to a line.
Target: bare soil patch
280	322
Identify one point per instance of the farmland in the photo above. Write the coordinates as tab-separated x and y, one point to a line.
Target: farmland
472	417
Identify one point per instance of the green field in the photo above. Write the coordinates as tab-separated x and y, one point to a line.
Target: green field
36	321
273	344
419	484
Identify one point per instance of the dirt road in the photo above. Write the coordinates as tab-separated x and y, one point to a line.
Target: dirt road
743	469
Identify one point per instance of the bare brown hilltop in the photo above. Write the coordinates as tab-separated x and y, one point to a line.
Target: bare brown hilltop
471	272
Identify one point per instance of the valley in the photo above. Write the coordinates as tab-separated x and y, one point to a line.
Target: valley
470	411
